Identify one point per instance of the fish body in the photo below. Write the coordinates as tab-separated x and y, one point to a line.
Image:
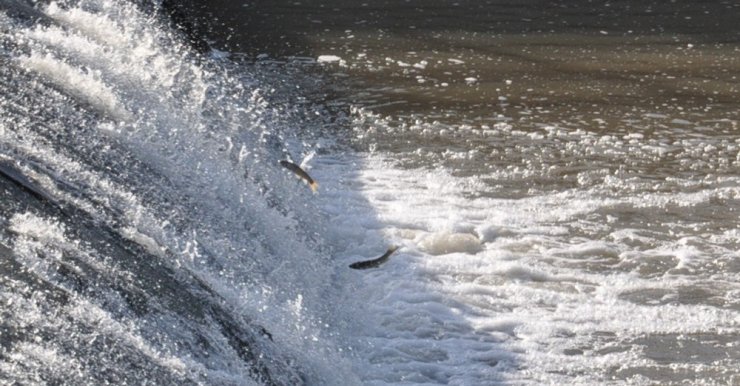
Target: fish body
301	174
374	263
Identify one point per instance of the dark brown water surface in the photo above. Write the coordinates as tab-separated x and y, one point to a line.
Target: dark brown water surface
483	61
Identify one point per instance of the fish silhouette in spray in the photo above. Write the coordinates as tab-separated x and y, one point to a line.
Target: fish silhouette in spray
374	263
301	174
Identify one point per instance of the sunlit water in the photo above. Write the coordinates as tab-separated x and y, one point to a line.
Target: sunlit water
564	183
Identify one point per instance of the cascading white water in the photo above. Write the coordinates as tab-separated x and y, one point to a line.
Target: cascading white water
109	113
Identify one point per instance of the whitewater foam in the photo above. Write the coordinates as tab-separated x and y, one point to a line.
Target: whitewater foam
532	304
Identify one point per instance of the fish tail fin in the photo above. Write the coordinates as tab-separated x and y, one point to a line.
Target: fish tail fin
314	186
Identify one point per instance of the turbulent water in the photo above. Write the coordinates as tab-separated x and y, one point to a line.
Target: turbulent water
149	234
564	191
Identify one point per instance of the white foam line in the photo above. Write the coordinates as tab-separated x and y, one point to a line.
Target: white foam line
92	315
86	86
111	60
97	26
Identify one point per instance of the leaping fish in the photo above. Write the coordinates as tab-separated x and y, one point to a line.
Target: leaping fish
374	262
300	173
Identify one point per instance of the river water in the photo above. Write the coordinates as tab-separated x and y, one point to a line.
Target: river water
563	179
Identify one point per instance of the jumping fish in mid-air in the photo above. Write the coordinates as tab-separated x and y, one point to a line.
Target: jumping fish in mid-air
300	173
374	262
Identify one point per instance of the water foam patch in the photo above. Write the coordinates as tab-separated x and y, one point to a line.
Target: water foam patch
445	243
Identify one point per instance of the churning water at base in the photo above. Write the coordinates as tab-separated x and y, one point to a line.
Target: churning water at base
150	236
